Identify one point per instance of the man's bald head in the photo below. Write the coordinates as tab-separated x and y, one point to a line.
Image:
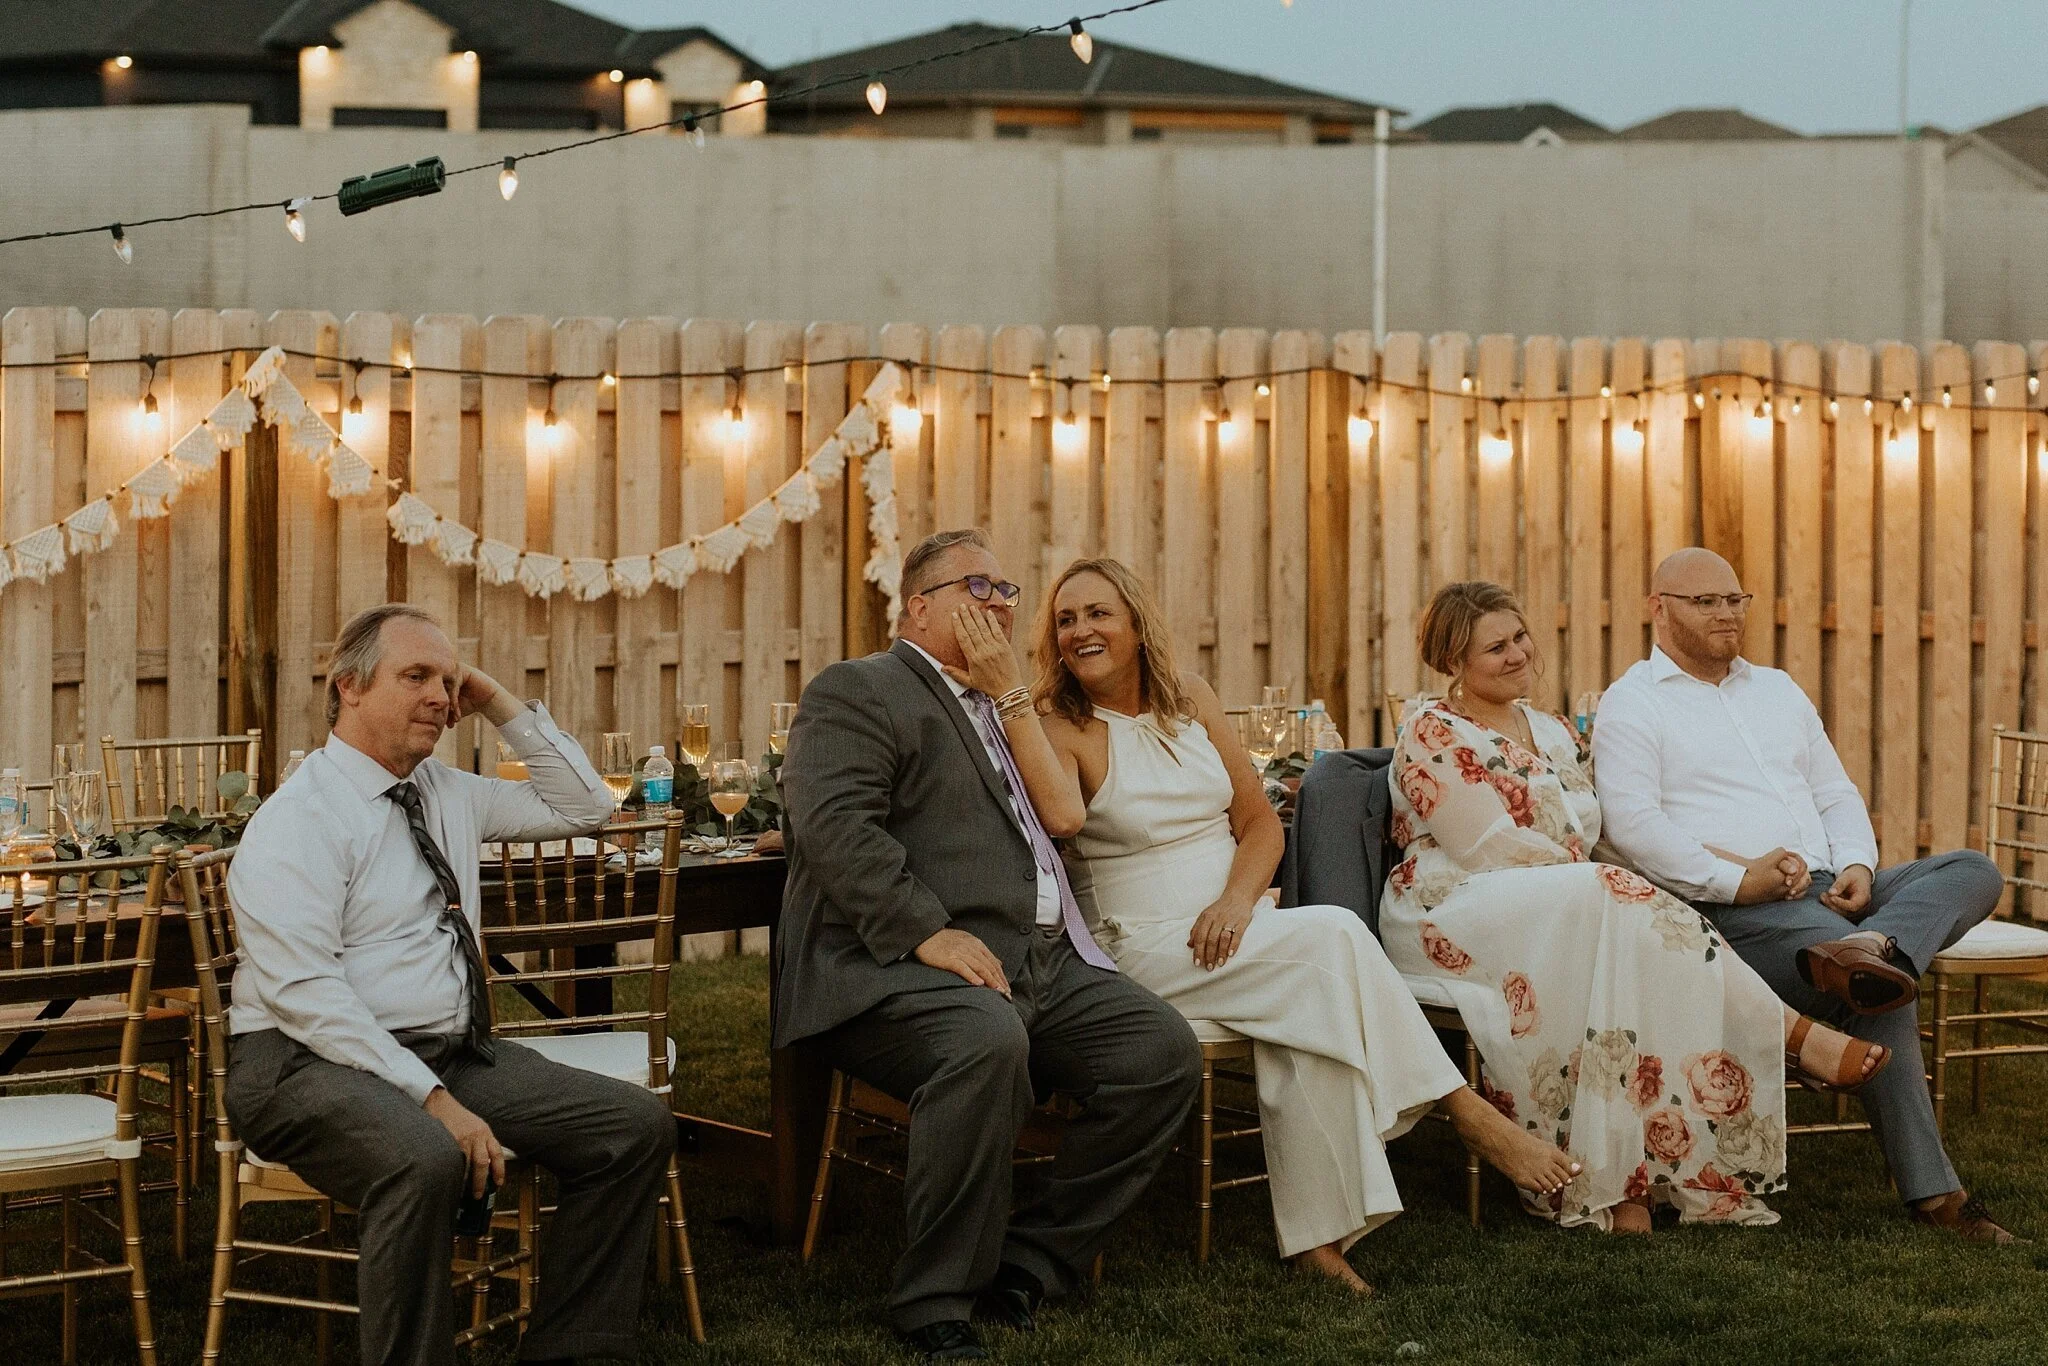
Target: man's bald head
1702	641
1692	571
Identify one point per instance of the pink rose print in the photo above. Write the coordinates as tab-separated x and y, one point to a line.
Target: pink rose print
1402	833
1638	1182
1667	1138
1514	794
1503	1101
1403	877
1648	1082
1432	732
1623	885
1523	1014
1443	952
1469	766
1576	847
1421	789
1720	1085
1729	1196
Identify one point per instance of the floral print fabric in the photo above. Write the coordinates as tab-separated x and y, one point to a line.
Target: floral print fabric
1611	1018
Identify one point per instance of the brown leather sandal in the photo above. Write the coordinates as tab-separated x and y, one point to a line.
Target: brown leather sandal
1856	974
1848	1078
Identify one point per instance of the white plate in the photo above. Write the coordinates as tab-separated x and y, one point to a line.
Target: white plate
29	901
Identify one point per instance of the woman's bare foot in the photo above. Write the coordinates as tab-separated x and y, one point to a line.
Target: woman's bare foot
1630	1216
1327	1260
1822	1050
1520	1156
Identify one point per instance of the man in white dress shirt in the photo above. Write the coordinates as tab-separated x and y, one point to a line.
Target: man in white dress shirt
1717	780
361	1055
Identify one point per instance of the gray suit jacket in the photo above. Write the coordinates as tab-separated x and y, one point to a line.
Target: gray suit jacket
898	826
1338	854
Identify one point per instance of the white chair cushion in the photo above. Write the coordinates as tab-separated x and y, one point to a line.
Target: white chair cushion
1428	991
1208	1031
620	1054
2000	939
54	1130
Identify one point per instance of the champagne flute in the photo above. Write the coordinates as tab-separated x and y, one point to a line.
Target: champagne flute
732	787
1260	740
781	715
67	760
617	767
1273	695
696	742
86	799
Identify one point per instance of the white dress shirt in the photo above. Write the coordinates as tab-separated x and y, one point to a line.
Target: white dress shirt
1745	766
1048	883
339	915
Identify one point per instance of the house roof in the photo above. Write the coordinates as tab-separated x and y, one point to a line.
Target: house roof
1508	123
2023	136
1042	69
1705	125
650	45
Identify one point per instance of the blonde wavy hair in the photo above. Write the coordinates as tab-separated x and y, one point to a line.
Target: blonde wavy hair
1453	614
1059	693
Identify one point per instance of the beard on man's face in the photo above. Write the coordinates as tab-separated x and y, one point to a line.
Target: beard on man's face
1708	640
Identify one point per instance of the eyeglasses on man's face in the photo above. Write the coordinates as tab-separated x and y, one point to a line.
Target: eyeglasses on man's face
1714	602
983	588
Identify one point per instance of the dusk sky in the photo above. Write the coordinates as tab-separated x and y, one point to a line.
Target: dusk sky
1813	65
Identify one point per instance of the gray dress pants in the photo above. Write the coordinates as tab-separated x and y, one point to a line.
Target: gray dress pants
967	1062
1925	905
360	1140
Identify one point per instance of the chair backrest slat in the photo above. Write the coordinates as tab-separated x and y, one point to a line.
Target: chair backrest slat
161	773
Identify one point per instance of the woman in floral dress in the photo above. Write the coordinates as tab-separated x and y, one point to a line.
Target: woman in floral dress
1611	1018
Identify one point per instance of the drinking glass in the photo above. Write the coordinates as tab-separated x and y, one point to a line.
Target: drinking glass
1273	695
732	787
696	742
68	759
781	715
86	803
510	766
1260	726
617	768
1280	729
1584	711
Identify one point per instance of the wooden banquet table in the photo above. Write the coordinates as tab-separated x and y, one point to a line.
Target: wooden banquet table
713	895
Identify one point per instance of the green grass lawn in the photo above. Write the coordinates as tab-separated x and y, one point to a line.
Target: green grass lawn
1844	1278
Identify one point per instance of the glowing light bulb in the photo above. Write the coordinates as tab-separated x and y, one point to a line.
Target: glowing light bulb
1082	43
548	418
508	178
1265	389
1868	407
1699	400
2033	384
615	76
736	423
878	96
1068	435
1226	426
609	379
1834	408
1464	384
1947	399
1607	391
1495	449
123	248
1905	403
1895	447
124	61
1628	441
906	421
1798	403
469	56
1361	430
1990	392
295	223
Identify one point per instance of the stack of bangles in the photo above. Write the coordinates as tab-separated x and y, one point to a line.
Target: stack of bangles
1014	703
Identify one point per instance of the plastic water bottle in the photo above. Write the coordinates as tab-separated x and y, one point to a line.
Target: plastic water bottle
657	783
1322	735
291	766
13	803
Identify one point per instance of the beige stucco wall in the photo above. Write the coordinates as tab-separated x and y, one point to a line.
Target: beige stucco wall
1809	239
393	56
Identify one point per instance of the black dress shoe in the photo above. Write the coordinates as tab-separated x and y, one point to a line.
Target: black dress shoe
1012	1299
946	1340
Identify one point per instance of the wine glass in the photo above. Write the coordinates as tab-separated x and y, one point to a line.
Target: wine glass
510	766
1273	695
781	715
696	742
732	787
67	760
617	767
85	796
1280	728
1260	737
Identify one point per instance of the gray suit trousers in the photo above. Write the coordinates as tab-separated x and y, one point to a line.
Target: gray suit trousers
1925	905
360	1140
967	1062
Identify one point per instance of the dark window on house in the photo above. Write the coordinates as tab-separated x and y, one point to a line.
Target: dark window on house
364	116
1013	130
1147	134
582	120
1333	139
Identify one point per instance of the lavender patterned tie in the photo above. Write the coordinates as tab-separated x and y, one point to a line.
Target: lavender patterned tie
1041	843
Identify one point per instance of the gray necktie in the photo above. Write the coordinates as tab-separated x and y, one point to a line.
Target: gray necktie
452	920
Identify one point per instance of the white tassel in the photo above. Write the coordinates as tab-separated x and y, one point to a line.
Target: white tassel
540	575
721	550
885	570
197	451
760	522
231	419
632	575
92	527
828	462
40	554
263	370
674	564
797	500
454	543
589	579
283	405
348	474
6	567
859	431
882	390
311	435
878	476
882	520
155	487
496	561
412	519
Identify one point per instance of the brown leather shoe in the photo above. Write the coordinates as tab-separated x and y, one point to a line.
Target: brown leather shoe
1966	1217
1851	971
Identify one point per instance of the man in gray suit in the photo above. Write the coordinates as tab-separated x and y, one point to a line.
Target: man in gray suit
931	947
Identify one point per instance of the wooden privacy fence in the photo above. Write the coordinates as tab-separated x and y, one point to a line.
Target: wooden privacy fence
1897	575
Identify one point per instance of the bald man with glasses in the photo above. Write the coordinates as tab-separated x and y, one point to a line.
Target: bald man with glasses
1718	781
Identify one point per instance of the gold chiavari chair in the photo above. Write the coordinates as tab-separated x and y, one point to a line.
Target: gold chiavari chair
554	904
161	774
245	1178
74	947
1226	1056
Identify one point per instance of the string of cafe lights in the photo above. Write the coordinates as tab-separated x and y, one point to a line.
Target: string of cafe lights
429	176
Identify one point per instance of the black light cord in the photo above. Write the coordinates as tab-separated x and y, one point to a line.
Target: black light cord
691	119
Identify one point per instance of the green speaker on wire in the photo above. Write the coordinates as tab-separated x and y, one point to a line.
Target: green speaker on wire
388	186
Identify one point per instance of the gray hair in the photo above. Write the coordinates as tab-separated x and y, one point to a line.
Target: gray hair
920	566
360	648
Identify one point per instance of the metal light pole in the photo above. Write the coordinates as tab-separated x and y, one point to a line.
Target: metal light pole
1905	44
1382	126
